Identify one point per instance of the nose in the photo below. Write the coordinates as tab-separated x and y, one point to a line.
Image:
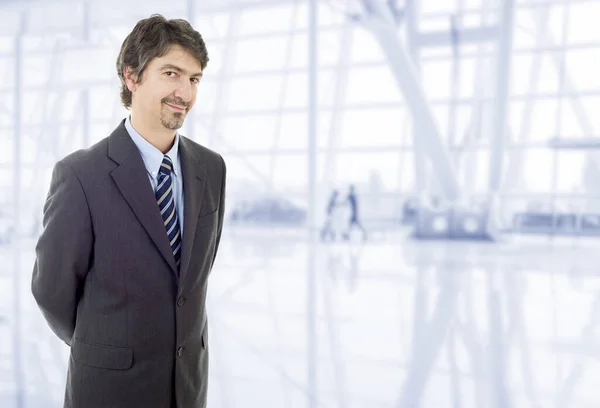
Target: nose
184	91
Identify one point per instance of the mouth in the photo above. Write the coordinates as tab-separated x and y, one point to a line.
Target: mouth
176	107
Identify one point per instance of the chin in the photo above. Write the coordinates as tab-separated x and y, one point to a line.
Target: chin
174	126
173	123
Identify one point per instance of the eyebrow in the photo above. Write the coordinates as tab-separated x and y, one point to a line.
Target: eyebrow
177	69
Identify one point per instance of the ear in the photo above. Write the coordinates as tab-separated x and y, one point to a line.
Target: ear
130	78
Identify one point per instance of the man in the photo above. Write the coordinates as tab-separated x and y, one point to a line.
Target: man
131	230
353	222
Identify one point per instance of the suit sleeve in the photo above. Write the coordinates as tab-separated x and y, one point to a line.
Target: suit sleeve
221	209
63	252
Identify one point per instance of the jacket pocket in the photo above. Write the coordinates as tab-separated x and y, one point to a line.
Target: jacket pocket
101	356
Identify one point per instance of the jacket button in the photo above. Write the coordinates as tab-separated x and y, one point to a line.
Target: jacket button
180	301
180	351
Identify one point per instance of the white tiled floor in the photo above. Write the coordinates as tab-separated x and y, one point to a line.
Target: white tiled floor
398	323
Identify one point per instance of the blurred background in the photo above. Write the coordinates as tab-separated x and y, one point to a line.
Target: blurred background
413	198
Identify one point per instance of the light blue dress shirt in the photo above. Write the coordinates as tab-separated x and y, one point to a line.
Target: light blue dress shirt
153	159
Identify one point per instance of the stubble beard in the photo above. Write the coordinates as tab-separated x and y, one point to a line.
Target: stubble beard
171	120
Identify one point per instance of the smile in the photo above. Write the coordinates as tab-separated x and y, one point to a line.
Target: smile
177	108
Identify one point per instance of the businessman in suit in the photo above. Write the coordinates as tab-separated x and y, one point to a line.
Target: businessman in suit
131	229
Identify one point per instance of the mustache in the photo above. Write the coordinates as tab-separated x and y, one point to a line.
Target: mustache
176	102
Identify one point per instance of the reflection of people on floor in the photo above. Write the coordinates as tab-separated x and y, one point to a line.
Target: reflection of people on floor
328	228
355	253
343	265
353	222
334	264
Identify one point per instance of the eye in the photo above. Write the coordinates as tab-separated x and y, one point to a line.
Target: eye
196	80
170	72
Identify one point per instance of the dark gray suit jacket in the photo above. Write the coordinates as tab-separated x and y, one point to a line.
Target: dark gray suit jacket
106	281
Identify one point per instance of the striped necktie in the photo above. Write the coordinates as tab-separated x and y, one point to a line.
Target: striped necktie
166	204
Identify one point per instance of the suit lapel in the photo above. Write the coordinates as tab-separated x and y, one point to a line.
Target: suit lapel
132	180
194	183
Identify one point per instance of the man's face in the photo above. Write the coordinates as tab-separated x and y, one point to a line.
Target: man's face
168	89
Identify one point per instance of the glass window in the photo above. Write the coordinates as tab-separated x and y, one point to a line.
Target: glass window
582	69
372	84
359	167
537	170
250	132
260	54
372	127
583	26
266	19
576	172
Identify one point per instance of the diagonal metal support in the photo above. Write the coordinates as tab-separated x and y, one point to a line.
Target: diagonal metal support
380	22
517	159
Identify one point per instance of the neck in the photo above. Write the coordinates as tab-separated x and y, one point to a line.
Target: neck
159	137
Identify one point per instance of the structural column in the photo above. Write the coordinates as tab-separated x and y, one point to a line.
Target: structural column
16	194
311	292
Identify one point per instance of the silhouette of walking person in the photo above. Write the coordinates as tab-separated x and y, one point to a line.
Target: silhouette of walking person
328	228
353	222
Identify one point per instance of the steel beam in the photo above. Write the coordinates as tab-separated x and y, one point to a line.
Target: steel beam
479	35
381	25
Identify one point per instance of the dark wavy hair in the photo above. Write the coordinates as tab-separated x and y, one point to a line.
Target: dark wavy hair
151	38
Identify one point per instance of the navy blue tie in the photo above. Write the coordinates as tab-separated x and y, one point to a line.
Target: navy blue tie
166	204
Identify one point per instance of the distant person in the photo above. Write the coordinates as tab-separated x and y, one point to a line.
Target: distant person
353	221
328	230
120	275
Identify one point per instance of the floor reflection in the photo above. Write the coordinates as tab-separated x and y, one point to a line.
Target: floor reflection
397	323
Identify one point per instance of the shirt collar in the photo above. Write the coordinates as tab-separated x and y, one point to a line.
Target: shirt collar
151	155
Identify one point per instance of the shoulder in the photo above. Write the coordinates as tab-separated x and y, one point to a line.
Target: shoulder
88	163
210	158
